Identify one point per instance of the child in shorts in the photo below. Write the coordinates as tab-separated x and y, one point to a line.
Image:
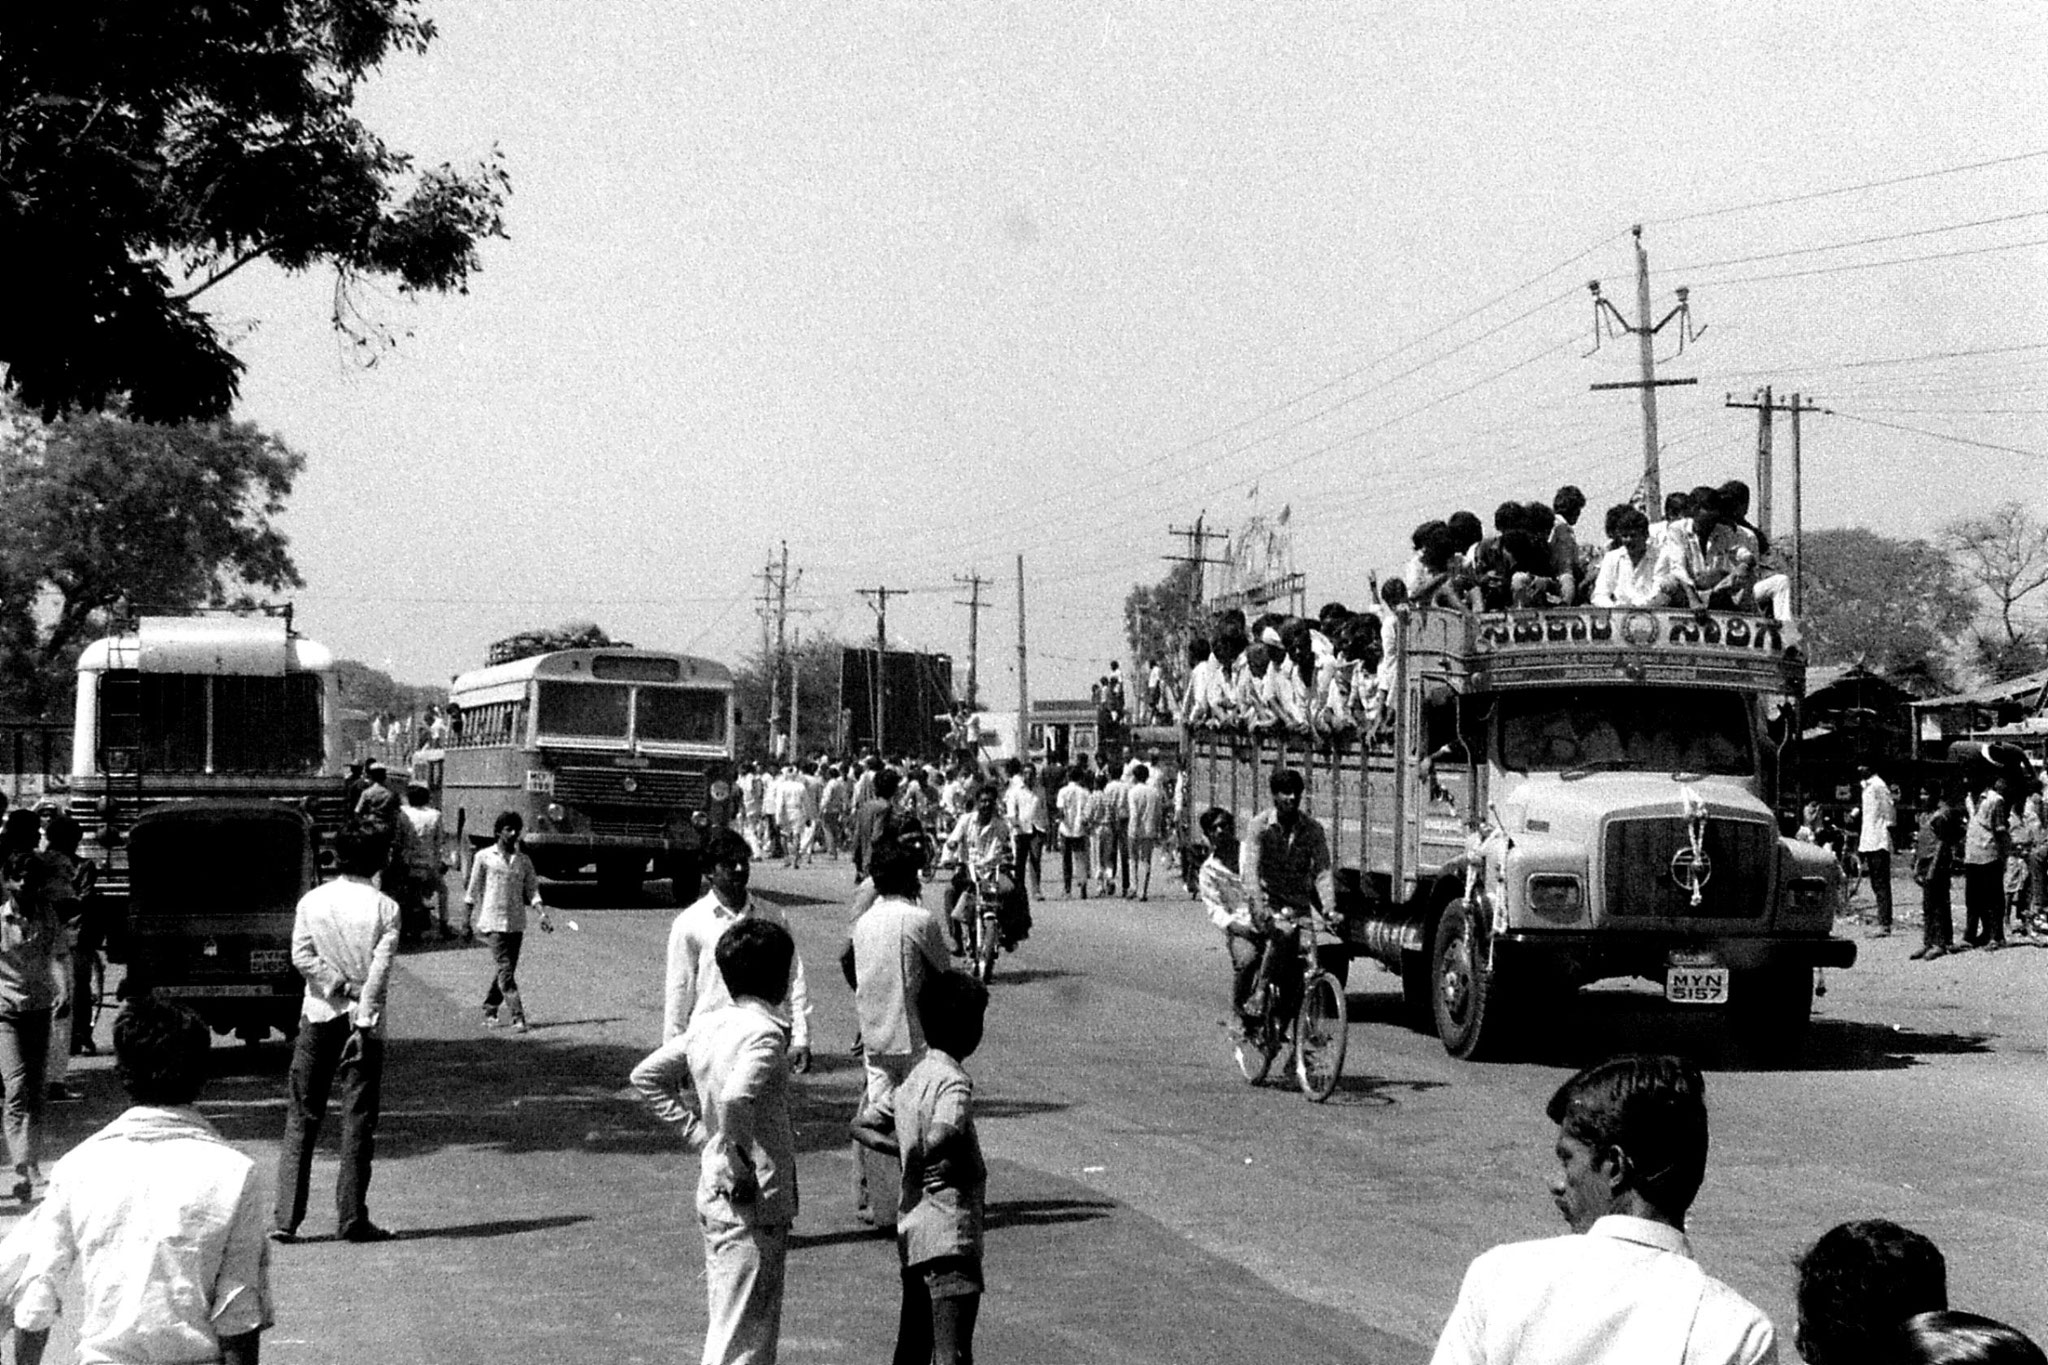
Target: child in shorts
938	1226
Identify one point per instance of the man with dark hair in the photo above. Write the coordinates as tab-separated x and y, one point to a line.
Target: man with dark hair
502	885
1623	1288
343	940
1874	841
873	817
736	1058
161	1218
1857	1286
693	986
1287	870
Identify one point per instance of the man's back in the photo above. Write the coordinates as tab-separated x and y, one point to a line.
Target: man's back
1626	1292
1146	809
895	944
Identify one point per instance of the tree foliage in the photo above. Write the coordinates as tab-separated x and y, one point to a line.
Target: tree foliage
1882	602
100	516
816	662
149	151
371	690
1159	617
2005	553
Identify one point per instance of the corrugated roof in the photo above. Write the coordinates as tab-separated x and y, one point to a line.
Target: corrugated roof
2022	688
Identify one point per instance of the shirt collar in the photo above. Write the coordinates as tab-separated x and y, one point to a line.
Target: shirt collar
1623	1227
757	1005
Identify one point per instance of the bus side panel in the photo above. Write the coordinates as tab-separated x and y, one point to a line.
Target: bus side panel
478	784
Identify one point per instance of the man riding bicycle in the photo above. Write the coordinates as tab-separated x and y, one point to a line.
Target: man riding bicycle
1288	876
979	849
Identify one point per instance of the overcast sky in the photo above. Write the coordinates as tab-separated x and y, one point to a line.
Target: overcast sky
921	287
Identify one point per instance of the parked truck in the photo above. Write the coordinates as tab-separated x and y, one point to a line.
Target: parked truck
1566	796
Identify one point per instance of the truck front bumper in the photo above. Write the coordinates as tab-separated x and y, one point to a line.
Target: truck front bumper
1597	956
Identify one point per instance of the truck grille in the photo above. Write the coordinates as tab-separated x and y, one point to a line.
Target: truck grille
654	788
1639	881
626	824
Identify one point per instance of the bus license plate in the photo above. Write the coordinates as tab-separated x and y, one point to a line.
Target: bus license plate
269	960
1696	985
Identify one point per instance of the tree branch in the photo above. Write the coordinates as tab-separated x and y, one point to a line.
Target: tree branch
196	290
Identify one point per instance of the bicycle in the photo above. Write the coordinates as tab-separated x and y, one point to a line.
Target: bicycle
1317	1028
980	926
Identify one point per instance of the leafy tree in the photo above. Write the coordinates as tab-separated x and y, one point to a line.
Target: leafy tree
2005	553
1159	618
100	516
372	689
816	662
1886	603
2003	660
546	640
149	151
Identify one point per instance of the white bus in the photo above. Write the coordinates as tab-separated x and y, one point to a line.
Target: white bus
223	706
616	758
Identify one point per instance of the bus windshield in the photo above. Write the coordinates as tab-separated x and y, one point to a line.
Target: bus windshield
1625	729
680	715
585	710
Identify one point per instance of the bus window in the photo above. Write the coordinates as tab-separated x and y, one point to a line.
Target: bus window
155	722
267	725
587	710
680	716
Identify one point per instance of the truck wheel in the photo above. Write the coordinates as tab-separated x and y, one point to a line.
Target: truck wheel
620	880
1468	1002
1770	1012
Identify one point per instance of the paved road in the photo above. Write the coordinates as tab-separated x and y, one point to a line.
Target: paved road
1146	1205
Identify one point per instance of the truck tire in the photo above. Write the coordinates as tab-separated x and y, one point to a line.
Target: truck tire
1770	1012
1470	1007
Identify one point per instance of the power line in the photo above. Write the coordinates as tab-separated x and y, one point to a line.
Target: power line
1860	241
1888	360
1937	435
1875	265
1848	189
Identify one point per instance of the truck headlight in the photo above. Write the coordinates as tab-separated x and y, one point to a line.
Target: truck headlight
1556	894
555	812
720	789
1809	893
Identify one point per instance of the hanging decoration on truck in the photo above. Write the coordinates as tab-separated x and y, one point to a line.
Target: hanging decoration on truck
1691	868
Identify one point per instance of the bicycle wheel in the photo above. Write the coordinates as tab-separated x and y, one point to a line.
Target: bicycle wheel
1852	875
1320	1032
985	948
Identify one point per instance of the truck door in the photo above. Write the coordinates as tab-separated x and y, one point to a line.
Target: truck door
1441	794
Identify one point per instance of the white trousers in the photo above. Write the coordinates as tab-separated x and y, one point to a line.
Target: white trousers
743	1278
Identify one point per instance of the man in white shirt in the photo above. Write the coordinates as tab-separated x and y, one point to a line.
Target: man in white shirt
693	985
735	1056
1623	1289
344	937
1874	842
1073	804
1147	822
1024	812
159	1216
1628	573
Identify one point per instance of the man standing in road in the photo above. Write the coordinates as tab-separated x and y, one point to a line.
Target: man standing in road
897	943
736	1056
502	884
1623	1287
872	818
1073	807
1148	818
1285	862
1116	807
693	985
1984	850
343	939
1874	843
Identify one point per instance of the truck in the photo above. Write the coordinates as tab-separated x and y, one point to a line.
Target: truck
206	707
1566	796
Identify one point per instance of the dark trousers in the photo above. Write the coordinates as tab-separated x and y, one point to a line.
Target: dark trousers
1937	930
82	996
1120	857
318	1071
504	974
1877	867
934	1331
1984	902
1030	860
1072	847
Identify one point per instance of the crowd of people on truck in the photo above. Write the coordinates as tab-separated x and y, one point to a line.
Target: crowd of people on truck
1332	676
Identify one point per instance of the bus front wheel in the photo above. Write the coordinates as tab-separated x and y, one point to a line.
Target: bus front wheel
619	879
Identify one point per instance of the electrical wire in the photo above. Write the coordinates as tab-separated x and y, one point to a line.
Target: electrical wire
1860	241
1936	435
1874	265
1847	189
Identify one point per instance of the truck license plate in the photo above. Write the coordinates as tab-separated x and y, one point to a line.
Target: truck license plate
269	960
1696	985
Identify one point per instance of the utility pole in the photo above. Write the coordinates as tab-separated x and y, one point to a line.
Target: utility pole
794	751
878	598
1767	409
1023	676
1645	333
974	583
1198	540
775	585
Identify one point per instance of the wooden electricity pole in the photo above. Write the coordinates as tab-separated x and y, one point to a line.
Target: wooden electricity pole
1645	333
878	598
1023	674
974	583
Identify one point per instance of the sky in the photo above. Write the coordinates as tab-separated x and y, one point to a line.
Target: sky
921	288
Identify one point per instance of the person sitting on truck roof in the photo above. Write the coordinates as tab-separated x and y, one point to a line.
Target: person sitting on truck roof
1677	509
1492	562
1628	574
1252	692
1534	580
1566	554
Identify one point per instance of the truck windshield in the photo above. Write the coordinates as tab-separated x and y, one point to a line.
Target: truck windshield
585	710
1648	729
680	715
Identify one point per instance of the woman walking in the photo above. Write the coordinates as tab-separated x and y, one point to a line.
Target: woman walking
28	998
